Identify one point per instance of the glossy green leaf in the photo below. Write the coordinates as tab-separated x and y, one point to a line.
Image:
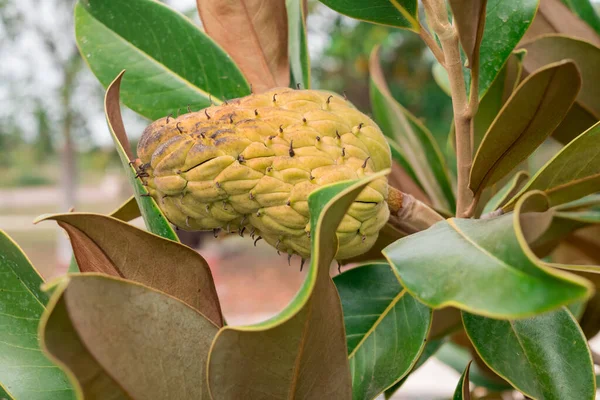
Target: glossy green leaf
420	148
586	11
386	328
396	13
98	244
507	192
482	266
171	63
122	340
552	48
297	44
505	25
25	372
491	103
430	349
295	354
545	357
155	220
529	116
462	391
572	173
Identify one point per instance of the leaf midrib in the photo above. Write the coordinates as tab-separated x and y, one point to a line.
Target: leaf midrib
572	183
517	139
375	324
7	392
256	39
512	327
484	251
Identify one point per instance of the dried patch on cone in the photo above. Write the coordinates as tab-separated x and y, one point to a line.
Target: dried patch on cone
250	164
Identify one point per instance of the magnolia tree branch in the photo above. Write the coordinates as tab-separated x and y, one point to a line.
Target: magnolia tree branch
408	214
432	44
463	109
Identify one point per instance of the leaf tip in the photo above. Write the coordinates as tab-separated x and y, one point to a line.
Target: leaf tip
42	217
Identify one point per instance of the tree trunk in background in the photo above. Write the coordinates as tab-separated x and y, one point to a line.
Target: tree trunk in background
68	159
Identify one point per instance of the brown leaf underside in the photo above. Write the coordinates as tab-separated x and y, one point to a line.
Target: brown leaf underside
254	34
106	245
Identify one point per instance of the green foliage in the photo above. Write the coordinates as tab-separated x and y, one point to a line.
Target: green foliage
312	361
397	13
529	116
462	391
505	25
386	328
298	45
144	320
153	216
171	63
571	174
501	89
528	352
418	145
25	371
507	192
344	67
430	349
43	141
453	276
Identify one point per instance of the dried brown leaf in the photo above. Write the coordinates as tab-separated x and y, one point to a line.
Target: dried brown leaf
469	18
123	340
255	34
107	245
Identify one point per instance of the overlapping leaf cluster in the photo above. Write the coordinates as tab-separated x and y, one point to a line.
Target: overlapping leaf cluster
143	320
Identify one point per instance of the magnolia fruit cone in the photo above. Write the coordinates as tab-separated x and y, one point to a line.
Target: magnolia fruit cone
249	165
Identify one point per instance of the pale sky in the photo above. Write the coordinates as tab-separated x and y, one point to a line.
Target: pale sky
29	74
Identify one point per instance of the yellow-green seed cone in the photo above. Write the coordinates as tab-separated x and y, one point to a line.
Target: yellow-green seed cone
251	163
